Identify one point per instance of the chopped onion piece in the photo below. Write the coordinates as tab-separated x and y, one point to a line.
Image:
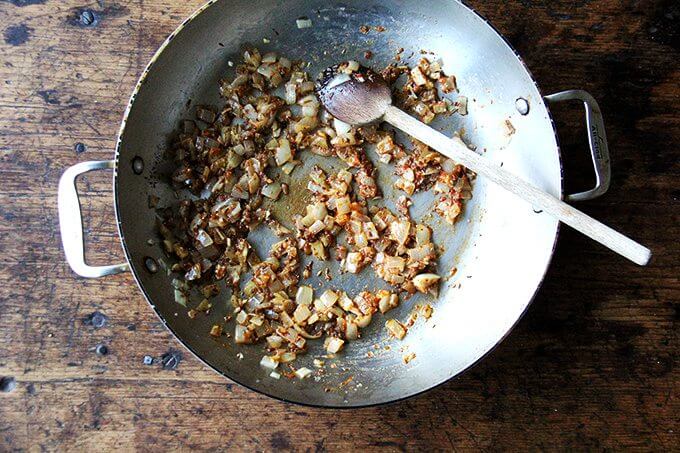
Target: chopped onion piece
241	334
180	297
290	93
351	331
345	302
269	57
387	301
283	152
267	70
364	320
423	282
269	362
303	22
287	357
288	167
462	103
303	373
310	110
272	191
316	227
418	76
317	211
306	87
334	345
319	251
352	262
328	298
423	234
352	66
343	205
301	314
274	341
399	231
341	127
304	296
395	328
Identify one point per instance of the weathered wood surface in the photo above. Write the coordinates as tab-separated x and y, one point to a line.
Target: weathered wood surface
592	365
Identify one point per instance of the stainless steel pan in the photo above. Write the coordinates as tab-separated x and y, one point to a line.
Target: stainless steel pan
501	247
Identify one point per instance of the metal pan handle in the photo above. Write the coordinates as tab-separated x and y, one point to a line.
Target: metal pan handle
71	222
597	140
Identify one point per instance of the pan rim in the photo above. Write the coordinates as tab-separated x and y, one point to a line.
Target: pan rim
134	268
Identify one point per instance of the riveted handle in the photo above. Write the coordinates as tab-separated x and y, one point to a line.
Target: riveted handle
597	139
71	222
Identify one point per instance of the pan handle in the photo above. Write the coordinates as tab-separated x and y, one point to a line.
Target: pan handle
597	140
71	222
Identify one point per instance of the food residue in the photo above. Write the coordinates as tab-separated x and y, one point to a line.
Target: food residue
234	163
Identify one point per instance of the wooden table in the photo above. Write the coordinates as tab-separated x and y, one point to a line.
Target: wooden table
592	365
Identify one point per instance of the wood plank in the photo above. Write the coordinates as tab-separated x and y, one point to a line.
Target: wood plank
592	365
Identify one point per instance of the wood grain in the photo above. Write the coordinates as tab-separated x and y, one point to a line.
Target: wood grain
593	364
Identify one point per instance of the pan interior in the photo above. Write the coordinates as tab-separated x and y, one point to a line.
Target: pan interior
501	247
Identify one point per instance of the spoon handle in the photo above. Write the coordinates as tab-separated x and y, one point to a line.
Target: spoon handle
455	149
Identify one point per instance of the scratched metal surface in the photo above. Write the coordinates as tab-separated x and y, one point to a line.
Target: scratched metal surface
499	239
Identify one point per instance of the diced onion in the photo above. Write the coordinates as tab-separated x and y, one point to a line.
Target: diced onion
267	70
301	314
364	320
180	297
269	57
352	262
395	328
310	110
334	345
303	373
240	334
351	331
287	357
290	93
352	66
328	298
423	282
269	363
303	22
342	205
399	231
317	211
272	191
341	127
305	295
283	152
317	227
274	341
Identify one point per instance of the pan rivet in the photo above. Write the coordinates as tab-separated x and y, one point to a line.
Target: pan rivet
137	165
151	264
522	106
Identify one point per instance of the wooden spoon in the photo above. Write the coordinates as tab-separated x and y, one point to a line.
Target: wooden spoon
363	97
